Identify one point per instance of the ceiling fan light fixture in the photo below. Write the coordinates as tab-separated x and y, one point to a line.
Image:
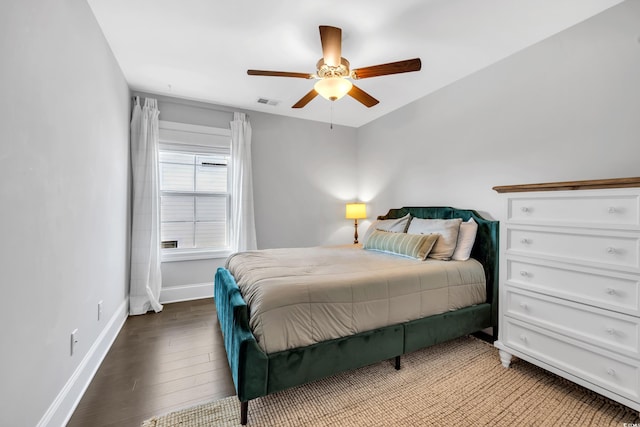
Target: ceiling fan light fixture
333	88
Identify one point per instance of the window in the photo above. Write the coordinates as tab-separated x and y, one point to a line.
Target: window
194	198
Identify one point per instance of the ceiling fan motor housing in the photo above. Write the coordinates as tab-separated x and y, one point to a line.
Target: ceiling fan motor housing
325	70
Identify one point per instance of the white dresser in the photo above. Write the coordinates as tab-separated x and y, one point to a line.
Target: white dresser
570	282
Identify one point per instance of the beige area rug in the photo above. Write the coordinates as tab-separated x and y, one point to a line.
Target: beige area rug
457	383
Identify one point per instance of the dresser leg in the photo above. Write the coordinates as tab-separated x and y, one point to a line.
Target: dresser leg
505	358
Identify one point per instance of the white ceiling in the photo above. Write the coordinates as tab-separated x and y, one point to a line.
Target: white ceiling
201	49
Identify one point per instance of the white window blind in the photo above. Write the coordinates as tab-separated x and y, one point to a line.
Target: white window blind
194	197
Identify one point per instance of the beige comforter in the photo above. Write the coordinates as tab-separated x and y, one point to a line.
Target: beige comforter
298	297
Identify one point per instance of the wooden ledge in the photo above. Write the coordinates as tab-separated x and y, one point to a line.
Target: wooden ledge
571	185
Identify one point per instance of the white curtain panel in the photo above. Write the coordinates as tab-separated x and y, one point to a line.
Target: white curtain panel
243	229
146	278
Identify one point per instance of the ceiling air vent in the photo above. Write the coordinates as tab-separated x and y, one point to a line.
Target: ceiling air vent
266	101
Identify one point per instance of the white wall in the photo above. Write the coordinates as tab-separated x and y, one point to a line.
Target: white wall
303	174
64	192
567	108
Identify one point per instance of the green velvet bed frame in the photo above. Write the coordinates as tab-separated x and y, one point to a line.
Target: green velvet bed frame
256	374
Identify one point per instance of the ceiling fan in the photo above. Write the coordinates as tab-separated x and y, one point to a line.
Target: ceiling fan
333	72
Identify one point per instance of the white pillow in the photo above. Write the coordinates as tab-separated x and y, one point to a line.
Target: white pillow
447	229
466	238
398	225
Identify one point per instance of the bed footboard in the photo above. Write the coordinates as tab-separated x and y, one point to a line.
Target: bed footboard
248	363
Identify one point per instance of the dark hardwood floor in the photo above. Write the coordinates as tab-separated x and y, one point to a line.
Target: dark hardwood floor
159	362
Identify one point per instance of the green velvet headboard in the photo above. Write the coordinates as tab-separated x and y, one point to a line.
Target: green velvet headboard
485	249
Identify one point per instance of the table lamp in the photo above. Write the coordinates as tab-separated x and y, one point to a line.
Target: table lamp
356	211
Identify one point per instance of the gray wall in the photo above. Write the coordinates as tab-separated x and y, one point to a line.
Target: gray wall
567	108
303	174
64	190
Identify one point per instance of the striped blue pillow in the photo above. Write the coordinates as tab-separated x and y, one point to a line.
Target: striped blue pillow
415	246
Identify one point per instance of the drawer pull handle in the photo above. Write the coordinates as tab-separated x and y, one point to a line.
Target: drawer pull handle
523	338
611	372
525	209
611	331
611	250
613	210
524	273
524	306
611	291
525	241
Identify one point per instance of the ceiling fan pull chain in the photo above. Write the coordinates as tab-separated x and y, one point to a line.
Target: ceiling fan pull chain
331	118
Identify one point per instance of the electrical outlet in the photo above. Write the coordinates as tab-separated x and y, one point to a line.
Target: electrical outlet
99	310
74	340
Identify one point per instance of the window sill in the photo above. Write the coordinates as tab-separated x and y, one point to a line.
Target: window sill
194	254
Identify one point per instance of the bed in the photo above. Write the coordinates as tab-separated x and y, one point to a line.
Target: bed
261	364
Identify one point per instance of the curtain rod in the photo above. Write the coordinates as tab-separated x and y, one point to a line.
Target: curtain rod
188	102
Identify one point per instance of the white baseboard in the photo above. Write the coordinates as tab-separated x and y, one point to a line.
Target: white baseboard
67	400
186	292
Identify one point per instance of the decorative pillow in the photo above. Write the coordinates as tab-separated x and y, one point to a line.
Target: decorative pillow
466	238
447	229
410	245
398	225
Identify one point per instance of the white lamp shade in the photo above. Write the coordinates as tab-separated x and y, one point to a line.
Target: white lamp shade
333	88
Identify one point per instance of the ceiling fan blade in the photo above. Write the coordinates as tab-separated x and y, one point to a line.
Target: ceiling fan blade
279	74
362	96
305	99
386	69
331	39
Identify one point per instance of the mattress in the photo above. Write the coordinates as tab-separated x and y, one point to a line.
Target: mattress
301	296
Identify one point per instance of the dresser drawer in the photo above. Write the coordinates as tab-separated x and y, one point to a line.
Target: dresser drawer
589	247
582	209
614	291
609	330
618	375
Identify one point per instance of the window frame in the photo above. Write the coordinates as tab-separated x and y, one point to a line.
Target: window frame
204	140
